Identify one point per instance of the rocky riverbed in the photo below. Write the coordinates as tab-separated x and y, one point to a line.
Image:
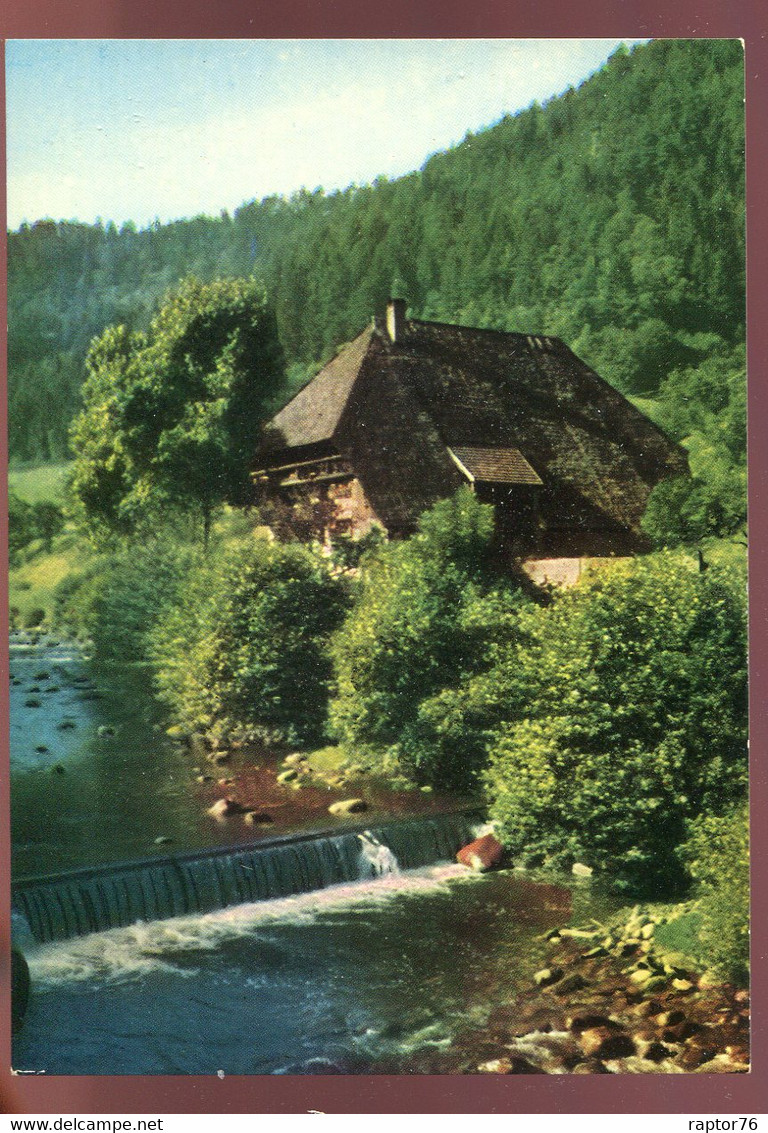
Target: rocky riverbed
251	790
611	1001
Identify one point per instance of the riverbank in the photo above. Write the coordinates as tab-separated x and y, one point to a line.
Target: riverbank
259	790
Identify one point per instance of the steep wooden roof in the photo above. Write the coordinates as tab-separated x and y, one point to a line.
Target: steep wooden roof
314	413
517	406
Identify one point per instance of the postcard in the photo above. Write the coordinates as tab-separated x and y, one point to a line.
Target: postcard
377	533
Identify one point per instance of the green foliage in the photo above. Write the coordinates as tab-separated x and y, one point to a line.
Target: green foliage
611	732
705	408
19	523
613	216
170	416
244	647
717	854
415	629
30	521
348	553
117	599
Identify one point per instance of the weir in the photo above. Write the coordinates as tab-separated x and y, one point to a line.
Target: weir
96	898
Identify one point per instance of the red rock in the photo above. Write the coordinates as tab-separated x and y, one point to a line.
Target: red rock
495	1066
524	1066
569	984
258	818
616	1046
681	1032
670	1018
482	854
722	1064
647	1008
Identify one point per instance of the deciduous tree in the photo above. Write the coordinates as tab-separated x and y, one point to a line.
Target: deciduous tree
171	417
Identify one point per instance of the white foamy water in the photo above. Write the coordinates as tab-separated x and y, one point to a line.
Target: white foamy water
131	953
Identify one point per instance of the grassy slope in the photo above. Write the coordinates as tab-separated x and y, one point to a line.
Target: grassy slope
32	582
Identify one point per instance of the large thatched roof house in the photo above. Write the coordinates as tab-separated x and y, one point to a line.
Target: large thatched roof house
411	410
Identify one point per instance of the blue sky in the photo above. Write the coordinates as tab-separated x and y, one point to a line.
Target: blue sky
145	129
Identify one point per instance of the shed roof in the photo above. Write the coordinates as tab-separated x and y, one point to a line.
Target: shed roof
494	465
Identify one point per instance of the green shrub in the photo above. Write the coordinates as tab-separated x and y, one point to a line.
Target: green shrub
20	529
28	522
245	645
717	855
118	598
621	715
348	552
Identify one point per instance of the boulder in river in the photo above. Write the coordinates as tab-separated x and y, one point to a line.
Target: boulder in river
258	818
482	854
606	1041
225	807
545	977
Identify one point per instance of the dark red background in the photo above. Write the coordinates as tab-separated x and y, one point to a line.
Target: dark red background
715	1094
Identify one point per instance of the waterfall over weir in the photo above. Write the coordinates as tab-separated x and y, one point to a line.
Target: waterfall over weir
118	894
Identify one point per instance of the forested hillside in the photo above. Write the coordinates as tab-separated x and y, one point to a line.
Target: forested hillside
612	217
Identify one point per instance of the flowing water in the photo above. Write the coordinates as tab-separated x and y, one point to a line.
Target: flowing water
358	950
93	778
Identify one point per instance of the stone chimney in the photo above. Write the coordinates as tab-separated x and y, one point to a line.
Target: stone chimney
396	319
